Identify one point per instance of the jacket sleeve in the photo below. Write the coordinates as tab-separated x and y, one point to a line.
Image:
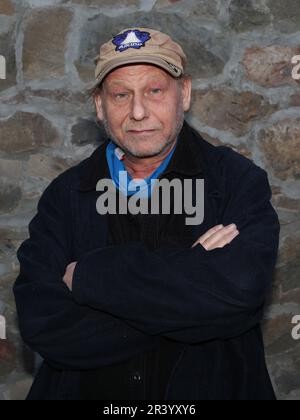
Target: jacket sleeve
66	334
191	295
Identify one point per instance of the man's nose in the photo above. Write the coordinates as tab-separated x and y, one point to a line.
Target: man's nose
139	110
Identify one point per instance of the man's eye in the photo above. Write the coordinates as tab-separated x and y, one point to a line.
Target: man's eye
155	91
121	95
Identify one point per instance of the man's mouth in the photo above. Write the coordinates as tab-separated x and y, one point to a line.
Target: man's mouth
141	131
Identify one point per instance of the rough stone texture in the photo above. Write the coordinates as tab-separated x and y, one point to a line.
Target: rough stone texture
243	97
104	3
228	110
45	42
295	100
87	132
17	390
281	146
47	167
201	9
7	8
10	195
248	15
270	66
61	96
7	355
10	169
286	16
25	132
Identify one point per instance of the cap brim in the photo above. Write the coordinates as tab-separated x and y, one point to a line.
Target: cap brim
171	68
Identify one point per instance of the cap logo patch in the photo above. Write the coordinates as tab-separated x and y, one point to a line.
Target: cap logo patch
131	39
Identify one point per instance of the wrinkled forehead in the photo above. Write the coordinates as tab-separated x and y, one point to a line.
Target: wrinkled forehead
137	74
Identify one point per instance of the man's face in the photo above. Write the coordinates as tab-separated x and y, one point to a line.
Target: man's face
142	108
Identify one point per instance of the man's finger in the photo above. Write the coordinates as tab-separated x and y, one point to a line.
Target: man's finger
217	237
226	241
209	233
221	235
221	241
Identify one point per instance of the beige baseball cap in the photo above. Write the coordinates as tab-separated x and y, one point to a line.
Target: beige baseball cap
140	45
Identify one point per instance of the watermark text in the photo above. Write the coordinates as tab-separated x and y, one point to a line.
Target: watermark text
2	67
2	328
296	329
167	196
296	68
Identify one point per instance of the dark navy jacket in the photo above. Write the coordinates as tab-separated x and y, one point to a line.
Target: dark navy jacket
127	297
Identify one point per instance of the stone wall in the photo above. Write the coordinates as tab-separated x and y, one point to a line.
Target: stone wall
244	96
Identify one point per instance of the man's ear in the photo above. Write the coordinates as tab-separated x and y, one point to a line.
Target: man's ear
99	107
187	94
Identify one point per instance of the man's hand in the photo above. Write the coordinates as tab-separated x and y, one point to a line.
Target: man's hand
218	237
68	277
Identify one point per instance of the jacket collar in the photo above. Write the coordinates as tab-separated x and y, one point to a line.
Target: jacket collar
188	160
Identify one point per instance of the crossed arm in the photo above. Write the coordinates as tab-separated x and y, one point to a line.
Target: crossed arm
217	237
188	295
210	291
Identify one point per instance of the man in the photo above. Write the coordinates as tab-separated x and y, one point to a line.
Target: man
145	306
